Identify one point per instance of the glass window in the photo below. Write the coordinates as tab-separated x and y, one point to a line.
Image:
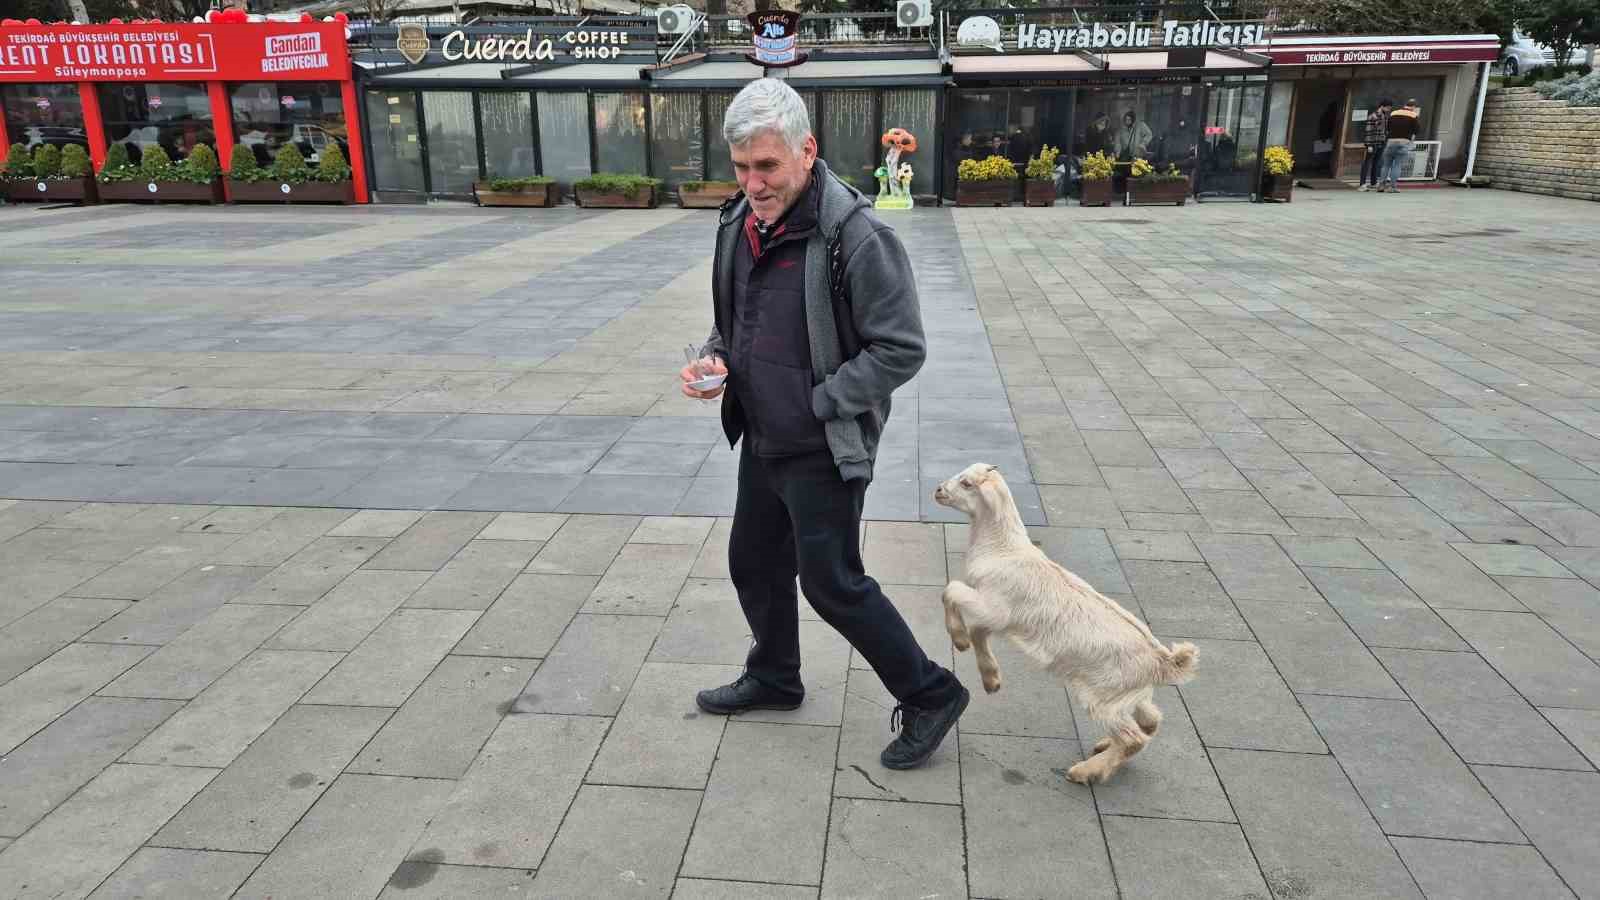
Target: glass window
308	114
1364	97
677	137
396	147
176	116
1158	123
507	134
452	141
914	110
977	119
619	133
1227	149
1278	114
850	138
43	114
564	136
719	160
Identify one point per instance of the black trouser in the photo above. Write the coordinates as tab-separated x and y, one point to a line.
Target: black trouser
796	515
1372	165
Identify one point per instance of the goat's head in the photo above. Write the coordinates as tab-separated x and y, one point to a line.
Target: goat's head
968	490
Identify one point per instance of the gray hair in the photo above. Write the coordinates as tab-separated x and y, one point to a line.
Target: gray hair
767	105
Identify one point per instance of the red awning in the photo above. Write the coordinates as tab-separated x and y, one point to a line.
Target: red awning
1323	50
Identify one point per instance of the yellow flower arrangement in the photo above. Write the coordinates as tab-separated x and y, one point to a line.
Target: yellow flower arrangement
1043	166
1097	166
1278	161
1140	168
995	168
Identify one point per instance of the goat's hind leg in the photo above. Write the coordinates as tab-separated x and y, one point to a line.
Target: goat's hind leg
1126	739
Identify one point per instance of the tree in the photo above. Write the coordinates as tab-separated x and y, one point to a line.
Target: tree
379	10
1562	25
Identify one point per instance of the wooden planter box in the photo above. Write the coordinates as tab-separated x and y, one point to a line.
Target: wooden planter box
983	193
162	191
1096	192
1142	193
538	195
706	198
280	192
1039	192
52	190
644	199
1278	188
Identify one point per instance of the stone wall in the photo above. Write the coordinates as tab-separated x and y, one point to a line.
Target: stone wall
1540	146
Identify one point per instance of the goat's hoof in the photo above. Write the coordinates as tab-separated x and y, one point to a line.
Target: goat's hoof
1102	745
1082	773
991	683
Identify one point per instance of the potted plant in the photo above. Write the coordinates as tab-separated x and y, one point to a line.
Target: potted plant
1040	189
18	173
289	179
1276	181
532	190
58	174
1146	185
196	180
705	194
604	190
985	182
1095	187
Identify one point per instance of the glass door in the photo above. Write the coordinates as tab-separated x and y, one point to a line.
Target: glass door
396	143
1227	153
452	142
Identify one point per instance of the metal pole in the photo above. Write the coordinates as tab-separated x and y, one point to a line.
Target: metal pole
1477	120
1261	143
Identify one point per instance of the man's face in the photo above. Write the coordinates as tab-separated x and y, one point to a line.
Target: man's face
771	174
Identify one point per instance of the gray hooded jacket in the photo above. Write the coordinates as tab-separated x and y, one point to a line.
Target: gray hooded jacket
864	344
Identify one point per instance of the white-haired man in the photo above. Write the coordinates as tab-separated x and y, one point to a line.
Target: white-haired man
810	372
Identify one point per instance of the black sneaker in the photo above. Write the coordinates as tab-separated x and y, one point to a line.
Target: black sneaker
922	732
744	693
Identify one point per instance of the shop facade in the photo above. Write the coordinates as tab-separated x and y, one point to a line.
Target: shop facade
261	84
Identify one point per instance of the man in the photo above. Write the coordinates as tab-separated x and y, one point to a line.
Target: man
1375	137
1133	138
807	395
1402	136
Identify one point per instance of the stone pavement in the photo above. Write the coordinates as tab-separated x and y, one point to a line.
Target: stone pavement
371	552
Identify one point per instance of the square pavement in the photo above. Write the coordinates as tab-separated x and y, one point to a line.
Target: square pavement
399	582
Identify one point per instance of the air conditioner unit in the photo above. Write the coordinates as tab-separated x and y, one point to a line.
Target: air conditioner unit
914	13
675	19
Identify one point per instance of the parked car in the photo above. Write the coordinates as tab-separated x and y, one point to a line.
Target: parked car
1522	55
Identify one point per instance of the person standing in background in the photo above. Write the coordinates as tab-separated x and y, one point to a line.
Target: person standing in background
1402	136
1375	137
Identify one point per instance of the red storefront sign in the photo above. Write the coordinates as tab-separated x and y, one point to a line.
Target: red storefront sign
1355	54
256	51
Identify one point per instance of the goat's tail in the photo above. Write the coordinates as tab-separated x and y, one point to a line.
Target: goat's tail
1178	663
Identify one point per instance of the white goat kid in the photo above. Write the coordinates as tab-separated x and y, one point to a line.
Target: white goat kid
1102	652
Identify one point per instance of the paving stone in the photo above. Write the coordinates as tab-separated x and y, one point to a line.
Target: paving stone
47	768
389	665
184	667
163	872
704	889
713	559
529	617
1253	567
1557	812
754	826
644	579
1315	652
1086	553
539	527
824	669
351	840
592	666
859	771
1500	479
1091	507
1348	474
44	631
660	737
1308	828
145	572
38	696
1238	511
1382	611
1154	545
431	542
1441	577
280	538
706	625
1244	704
1174	859
585	545
1568	523
254	802
227	716
1512	561
680	530
1579	726
919	848
1479	871
179	606
444	723
904	553
1019	805
344	616
423	880
1145	490
1183	599
86	838
1298	493
628	839
1458	501
1412	781
1328	552
1171	433
1203	469
1484	720
1302	436
505	810
475	576
313	571
235	519
377	523
1543	667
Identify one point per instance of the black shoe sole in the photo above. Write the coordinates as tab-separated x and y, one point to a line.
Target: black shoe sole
935	744
720	710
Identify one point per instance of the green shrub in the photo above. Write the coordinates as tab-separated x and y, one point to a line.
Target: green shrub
75	162
156	165
710	185
47	161
201	166
332	168
18	163
610	183
517	184
289	166
1577	90
117	167
242	165
1043	166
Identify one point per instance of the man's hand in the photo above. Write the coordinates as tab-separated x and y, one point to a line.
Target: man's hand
707	366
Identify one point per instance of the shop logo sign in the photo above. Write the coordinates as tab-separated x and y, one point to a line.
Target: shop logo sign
979	31
412	42
294	52
776	37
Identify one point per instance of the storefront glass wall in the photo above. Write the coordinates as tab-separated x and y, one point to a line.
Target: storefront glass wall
564	136
309	114
916	111
677	137
850	137
719	160
43	114
175	115
619	133
1278	113
507	133
395	142
452	151
1228	148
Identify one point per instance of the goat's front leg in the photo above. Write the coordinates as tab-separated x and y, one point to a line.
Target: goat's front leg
953	622
975	617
